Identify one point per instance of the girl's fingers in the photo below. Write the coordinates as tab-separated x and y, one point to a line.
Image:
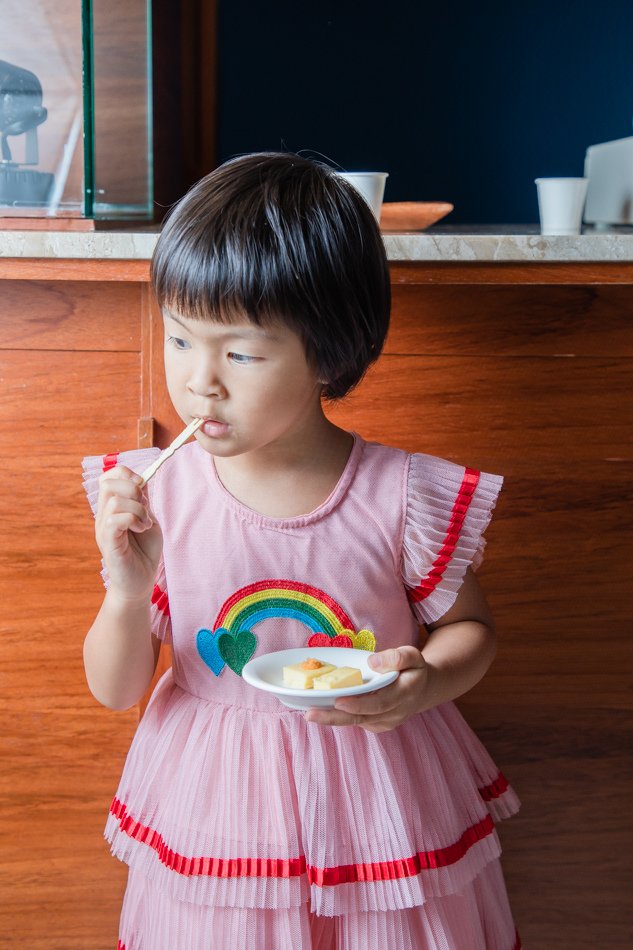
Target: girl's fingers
119	493
357	710
336	717
399	658
118	501
117	517
333	717
372	704
119	471
118	483
128	521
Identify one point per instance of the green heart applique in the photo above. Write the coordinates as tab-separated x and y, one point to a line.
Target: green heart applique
236	650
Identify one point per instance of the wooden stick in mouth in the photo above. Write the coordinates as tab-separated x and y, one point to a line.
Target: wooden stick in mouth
169	451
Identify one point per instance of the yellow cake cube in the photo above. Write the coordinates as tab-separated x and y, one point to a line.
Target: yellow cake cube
301	675
339	678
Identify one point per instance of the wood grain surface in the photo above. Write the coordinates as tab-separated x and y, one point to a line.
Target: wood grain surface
66	393
567	854
54	269
531	381
511	273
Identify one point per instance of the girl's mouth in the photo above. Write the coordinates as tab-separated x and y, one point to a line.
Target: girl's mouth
214	429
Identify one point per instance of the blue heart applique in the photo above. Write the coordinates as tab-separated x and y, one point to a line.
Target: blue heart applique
207	644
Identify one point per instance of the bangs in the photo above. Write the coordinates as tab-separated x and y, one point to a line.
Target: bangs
241	260
223	282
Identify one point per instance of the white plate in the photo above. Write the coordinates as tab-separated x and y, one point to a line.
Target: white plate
266	672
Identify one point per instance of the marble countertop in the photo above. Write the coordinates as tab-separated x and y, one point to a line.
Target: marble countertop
467	243
519	243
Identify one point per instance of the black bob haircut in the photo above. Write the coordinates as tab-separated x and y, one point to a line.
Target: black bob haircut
278	238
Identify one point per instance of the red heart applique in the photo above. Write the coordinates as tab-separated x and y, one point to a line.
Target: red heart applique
322	640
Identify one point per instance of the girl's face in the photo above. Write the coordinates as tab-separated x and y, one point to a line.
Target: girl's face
252	385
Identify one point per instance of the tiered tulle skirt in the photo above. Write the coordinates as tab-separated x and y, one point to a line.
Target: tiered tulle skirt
477	919
226	811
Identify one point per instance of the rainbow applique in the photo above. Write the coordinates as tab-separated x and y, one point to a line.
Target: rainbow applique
232	643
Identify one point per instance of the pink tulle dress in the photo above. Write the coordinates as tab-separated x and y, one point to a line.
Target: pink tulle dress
243	825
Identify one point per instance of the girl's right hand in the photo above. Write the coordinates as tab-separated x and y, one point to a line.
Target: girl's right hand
129	539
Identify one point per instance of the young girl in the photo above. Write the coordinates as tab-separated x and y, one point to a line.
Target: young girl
246	824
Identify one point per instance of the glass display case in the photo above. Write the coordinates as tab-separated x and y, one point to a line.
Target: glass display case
75	110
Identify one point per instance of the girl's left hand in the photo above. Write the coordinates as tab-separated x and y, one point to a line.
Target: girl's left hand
388	707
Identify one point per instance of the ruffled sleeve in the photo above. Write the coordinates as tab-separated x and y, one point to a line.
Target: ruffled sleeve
137	460
447	511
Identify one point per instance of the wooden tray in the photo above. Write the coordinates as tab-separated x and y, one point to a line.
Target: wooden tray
412	215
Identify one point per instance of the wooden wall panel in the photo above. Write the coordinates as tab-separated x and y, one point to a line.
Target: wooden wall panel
61	752
481	273
512	320
69	315
567	854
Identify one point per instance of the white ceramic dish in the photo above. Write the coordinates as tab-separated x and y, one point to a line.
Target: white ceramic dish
266	672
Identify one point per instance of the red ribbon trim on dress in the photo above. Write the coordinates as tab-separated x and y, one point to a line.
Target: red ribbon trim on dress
293	867
208	867
160	598
405	867
464	497
110	460
496	789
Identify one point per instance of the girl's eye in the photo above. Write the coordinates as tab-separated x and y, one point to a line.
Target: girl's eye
241	358
178	343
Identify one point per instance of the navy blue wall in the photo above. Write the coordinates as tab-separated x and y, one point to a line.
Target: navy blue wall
459	102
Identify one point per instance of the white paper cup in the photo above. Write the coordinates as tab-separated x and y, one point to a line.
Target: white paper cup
371	185
560	203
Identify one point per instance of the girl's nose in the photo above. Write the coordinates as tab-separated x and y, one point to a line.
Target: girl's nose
205	381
